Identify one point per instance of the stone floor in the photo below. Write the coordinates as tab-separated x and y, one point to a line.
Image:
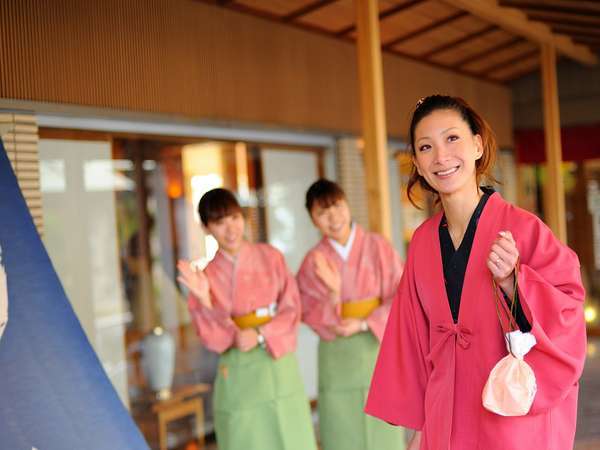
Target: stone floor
588	422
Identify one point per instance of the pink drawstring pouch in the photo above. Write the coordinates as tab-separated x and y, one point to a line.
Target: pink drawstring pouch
511	386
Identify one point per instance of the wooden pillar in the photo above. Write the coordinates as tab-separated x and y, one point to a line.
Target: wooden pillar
554	190
144	306
373	116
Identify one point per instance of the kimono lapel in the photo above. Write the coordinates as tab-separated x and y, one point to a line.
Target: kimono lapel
476	273
477	276
355	252
447	335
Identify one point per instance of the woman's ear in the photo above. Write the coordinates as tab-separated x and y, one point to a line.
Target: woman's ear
414	161
479	146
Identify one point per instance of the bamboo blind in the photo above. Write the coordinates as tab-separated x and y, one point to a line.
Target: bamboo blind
19	132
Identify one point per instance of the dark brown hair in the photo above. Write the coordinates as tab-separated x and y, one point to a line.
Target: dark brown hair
477	125
323	192
216	204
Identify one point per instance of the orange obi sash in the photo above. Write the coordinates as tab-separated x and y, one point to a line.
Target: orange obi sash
360	309
256	318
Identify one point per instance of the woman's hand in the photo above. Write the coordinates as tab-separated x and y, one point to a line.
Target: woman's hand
502	261
246	340
415	442
329	275
348	327
196	281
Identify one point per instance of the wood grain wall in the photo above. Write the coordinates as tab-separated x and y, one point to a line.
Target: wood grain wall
193	59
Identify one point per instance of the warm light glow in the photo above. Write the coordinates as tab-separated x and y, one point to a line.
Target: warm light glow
241	168
591	349
590	314
174	190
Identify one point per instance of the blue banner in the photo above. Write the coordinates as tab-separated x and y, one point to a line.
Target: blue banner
54	393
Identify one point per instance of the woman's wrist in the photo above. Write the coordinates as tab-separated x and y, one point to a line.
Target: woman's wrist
508	285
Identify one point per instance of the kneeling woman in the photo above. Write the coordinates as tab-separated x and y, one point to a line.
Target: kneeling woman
245	305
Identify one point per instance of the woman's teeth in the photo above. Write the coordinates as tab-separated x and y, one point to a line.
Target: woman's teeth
447	172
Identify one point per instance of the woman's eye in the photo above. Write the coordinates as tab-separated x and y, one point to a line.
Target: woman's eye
452	138
424	147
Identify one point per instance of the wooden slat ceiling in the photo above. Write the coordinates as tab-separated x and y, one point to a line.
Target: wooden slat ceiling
440	34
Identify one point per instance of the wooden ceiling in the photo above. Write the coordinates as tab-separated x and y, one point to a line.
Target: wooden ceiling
442	34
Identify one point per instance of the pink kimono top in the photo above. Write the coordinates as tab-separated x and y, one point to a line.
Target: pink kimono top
373	269
430	372
256	278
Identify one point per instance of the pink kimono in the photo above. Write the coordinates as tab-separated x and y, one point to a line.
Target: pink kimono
373	269
431	372
257	278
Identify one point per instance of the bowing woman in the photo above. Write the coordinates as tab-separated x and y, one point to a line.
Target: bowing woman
347	282
443	336
245	306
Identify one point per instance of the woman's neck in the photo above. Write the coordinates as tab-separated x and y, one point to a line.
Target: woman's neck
458	209
343	240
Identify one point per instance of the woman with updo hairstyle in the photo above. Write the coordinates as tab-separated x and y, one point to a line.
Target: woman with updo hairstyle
478	260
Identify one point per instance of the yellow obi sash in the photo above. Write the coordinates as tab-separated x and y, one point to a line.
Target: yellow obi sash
256	318
360	309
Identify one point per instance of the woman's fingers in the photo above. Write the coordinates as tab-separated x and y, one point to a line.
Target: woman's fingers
183	281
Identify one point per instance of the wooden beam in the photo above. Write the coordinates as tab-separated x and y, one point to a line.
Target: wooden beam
592	20
554	191
488	51
509	62
567	6
382	15
306	9
584	26
575	30
424	29
459	41
370	70
587	40
518	71
516	22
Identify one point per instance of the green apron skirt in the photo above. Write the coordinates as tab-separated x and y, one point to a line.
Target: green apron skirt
260	403
345	368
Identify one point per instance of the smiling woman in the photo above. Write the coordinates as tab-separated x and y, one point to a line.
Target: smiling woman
442	337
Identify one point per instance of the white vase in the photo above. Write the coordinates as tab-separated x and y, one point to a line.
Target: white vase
158	361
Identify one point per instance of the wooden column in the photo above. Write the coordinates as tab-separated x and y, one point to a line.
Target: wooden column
373	116
554	190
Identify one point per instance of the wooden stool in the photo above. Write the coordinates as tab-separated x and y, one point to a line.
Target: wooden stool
184	401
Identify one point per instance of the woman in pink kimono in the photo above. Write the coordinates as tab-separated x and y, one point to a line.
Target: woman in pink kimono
347	283
245	305
443	337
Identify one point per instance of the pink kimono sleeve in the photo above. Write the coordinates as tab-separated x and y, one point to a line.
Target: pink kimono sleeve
397	392
318	312
391	273
552	296
214	326
280	333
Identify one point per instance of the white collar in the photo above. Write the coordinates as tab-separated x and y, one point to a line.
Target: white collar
344	250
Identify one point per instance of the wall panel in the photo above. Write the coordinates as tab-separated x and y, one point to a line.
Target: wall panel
196	60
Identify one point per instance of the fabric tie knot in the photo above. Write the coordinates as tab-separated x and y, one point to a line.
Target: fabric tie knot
462	333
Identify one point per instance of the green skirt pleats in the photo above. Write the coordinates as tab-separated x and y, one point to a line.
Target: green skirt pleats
260	403
345	369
